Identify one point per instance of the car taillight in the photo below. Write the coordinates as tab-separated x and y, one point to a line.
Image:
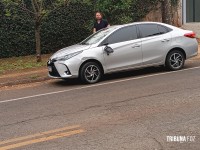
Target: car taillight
190	35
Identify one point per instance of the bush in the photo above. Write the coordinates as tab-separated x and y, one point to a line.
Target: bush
66	26
62	27
125	11
140	8
16	33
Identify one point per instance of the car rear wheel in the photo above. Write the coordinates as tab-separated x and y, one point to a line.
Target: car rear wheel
90	73
175	60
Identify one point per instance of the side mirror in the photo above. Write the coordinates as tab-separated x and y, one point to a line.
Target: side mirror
108	50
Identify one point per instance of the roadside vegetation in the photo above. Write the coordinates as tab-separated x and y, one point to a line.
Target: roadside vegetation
38	27
17	64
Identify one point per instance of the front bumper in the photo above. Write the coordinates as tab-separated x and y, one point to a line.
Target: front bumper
58	69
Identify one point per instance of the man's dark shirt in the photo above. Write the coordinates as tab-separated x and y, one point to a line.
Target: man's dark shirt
101	25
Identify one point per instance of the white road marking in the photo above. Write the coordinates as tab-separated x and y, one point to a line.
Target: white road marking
95	85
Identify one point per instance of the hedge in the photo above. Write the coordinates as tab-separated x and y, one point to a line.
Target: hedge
16	34
64	26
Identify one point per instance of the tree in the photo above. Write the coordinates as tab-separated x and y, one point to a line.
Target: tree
125	11
37	9
166	11
117	12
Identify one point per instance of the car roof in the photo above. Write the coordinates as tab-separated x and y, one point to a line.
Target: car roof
143	22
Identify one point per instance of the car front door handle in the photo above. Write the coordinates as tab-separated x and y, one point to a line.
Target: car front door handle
135	46
165	40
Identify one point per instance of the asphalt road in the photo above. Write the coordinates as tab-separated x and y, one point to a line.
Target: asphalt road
148	109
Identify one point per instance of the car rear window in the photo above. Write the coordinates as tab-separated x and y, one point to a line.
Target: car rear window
148	30
162	29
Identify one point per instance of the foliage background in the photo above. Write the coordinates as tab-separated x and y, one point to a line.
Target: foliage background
64	26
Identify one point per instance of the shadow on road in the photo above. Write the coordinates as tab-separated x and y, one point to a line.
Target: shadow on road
115	76
135	73
121	75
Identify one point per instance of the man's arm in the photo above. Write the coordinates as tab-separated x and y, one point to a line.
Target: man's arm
107	24
94	30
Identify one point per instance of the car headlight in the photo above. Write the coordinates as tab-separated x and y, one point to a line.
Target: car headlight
66	57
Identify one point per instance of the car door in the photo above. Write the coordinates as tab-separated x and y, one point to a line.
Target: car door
155	41
127	49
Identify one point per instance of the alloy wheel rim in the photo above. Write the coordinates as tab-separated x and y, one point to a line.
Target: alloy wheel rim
92	73
176	60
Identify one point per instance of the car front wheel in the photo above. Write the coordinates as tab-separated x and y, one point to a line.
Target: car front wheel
90	73
175	60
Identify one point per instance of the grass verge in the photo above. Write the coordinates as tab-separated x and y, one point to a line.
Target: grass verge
20	63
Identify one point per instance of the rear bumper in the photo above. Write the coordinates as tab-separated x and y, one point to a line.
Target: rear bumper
191	48
193	55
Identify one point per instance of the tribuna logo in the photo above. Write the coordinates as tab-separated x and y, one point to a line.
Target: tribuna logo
181	139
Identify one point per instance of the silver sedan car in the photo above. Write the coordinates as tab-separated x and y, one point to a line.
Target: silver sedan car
124	47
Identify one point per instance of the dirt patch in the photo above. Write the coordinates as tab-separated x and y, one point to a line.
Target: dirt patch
22	70
198	53
24	76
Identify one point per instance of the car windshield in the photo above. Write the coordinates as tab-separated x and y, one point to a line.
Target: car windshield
96	37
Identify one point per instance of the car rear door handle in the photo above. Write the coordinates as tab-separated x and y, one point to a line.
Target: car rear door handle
165	40
135	46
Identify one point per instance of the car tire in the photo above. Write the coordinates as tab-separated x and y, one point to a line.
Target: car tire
90	73
175	60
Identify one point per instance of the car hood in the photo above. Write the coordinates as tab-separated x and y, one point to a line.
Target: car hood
69	50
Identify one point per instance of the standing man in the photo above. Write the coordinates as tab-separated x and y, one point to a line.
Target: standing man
100	23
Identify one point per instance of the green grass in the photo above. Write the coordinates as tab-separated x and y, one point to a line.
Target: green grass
20	63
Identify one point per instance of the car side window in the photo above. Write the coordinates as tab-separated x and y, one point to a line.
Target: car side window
162	29
122	35
148	30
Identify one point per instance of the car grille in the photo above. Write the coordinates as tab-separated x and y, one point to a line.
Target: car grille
54	71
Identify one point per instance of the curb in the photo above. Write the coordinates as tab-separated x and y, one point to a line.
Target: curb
24	73
25	81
